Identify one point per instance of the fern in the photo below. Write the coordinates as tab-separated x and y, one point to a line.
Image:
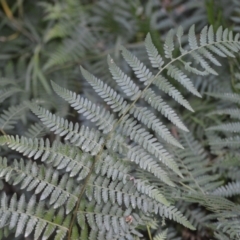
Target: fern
7	92
107	181
35	131
32	217
161	236
229	190
9	118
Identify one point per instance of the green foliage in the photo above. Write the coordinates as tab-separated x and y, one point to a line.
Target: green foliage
144	152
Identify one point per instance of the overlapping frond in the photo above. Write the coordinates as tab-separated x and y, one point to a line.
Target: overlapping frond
103	118
230	97
108	221
161	236
73	48
130	128
233	127
230	226
234	113
118	104
182	78
36	130
235	18
58	155
160	105
33	218
128	195
229	130
155	101
197	217
111	97
228	222
163	84
219	143
88	139
229	190
9	117
125	82
42	180
194	160
151	121
147	161
7	92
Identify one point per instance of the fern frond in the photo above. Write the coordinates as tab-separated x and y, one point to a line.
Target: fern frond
159	81
220	236
44	180
229	190
130	128
229	226
107	221
140	70
35	131
119	170
208	55
137	155
161	236
228	127
189	68
203	41
192	40
145	188
88	140
34	217
172	213
151	121
178	75
232	112
9	117
197	217
118	104
147	161
219	143
59	155
145	75
230	97
154	57
163	84
7	92
112	167
111	97
128	195
155	101
73	48
127	85
193	159
169	45
103	118
159	104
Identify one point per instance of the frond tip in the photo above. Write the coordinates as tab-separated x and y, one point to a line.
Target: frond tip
154	57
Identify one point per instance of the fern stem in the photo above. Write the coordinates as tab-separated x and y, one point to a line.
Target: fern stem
233	79
149	232
186	186
1	130
80	196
